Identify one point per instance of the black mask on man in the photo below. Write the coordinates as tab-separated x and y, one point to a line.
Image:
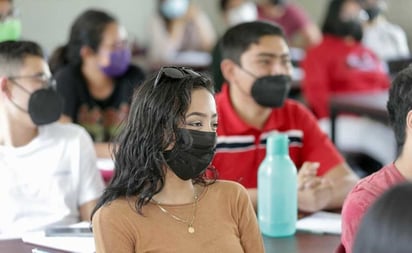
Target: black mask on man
45	105
271	91
373	12
192	154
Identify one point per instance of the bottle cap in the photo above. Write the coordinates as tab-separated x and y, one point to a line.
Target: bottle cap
277	144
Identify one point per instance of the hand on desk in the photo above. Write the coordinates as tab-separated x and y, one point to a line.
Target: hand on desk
314	193
320	193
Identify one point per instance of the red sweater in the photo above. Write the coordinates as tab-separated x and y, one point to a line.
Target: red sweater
336	67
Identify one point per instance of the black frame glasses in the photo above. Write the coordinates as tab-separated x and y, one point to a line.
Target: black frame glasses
47	81
175	73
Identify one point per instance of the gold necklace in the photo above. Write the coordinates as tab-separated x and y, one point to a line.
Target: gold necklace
190	227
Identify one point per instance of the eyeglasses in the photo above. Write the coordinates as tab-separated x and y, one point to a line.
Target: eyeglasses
175	73
45	81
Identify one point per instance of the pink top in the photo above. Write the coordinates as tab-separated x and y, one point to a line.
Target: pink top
361	197
293	20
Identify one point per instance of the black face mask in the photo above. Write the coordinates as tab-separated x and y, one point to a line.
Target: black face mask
351	28
270	91
373	12
278	2
192	153
45	105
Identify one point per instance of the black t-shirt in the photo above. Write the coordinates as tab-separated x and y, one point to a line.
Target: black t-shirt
101	118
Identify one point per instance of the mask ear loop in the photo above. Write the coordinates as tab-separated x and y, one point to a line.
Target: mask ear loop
250	74
23	89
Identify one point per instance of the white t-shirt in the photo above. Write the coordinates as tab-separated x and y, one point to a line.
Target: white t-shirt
44	182
387	40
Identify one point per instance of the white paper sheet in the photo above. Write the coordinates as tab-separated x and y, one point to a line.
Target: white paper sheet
67	243
322	223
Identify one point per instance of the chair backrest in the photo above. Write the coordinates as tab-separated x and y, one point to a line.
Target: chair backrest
396	65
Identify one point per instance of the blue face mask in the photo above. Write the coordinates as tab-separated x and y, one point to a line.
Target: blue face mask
173	9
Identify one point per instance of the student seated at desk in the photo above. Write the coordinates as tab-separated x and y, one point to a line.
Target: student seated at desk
48	170
351	68
180	32
256	63
369	188
95	76
387	225
159	200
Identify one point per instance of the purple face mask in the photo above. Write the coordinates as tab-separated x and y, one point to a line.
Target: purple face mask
119	62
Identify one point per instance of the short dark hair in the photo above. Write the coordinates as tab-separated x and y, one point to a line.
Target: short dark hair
387	225
13	53
156	113
238	38
400	103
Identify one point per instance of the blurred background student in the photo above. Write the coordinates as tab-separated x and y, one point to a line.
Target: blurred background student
387	225
180	33
299	29
95	76
48	169
10	24
341	64
384	38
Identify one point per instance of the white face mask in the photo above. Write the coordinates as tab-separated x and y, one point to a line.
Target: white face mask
243	13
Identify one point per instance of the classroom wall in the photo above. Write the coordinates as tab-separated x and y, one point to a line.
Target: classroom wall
48	21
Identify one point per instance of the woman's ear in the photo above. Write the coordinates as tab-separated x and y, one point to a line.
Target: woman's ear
85	52
227	67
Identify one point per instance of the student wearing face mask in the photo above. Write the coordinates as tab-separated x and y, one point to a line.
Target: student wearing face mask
386	39
95	76
48	169
342	64
177	28
253	103
10	25
159	199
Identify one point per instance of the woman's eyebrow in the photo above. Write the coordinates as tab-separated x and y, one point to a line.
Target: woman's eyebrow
200	114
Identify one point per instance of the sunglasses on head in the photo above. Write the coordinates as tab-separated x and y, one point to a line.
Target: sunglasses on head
175	73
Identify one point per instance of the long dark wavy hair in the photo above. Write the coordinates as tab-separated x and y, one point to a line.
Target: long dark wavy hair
156	113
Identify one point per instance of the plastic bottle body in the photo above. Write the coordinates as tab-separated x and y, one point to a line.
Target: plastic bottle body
277	193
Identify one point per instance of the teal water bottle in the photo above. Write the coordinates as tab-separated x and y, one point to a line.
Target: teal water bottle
277	198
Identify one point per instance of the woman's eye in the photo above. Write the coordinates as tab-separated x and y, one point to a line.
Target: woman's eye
195	124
